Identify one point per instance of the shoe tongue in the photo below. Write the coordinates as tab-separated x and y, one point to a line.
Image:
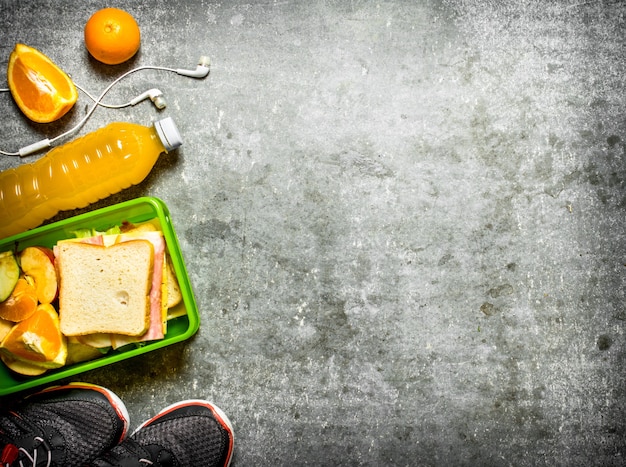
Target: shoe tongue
130	454
160	456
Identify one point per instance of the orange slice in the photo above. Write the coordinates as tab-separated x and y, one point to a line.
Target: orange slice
22	302
5	327
42	91
37	339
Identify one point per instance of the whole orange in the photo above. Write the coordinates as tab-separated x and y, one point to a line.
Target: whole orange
112	36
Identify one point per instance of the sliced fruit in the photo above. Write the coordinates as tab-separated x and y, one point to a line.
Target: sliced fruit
23	368
42	91
79	352
22	302
97	340
37	340
9	274
5	327
38	263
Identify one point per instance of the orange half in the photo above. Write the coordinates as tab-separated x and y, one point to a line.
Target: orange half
42	91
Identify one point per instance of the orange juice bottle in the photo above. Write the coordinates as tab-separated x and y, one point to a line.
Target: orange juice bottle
81	172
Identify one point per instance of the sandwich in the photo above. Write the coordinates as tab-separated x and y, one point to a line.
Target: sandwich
105	289
163	296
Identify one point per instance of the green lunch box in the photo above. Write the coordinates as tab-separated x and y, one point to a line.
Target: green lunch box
180	328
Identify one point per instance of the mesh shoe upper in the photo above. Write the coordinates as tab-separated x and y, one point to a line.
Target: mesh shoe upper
187	434
62	426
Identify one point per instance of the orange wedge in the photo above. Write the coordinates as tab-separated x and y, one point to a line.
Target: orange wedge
37	339
22	302
5	327
42	91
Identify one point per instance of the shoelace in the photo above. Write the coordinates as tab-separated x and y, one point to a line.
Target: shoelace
10	453
127	453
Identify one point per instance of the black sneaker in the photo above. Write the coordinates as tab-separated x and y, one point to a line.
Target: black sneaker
62	426
192	433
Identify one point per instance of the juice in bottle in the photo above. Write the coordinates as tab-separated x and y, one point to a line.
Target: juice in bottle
81	172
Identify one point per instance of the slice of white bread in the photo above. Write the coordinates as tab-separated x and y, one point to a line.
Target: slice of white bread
105	289
174	295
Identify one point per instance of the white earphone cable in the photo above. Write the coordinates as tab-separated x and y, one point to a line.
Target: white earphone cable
97	102
95	99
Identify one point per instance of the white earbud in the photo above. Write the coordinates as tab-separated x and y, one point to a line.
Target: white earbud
202	70
154	95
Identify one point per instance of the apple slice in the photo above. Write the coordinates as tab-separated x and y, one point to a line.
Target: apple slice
9	274
21	367
38	263
78	352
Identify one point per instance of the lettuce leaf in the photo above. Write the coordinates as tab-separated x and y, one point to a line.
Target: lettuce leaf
87	233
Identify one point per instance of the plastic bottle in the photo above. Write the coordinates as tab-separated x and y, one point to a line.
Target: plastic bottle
81	172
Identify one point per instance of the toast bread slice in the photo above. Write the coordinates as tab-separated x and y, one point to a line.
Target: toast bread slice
105	289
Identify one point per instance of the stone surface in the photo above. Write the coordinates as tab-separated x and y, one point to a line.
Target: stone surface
403	221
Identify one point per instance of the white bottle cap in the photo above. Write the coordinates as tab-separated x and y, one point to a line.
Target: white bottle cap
170	137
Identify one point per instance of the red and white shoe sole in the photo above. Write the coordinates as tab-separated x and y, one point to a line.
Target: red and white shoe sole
219	415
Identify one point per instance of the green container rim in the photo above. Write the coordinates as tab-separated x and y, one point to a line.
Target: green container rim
135	211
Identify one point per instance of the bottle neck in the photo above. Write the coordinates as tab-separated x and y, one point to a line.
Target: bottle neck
155	141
